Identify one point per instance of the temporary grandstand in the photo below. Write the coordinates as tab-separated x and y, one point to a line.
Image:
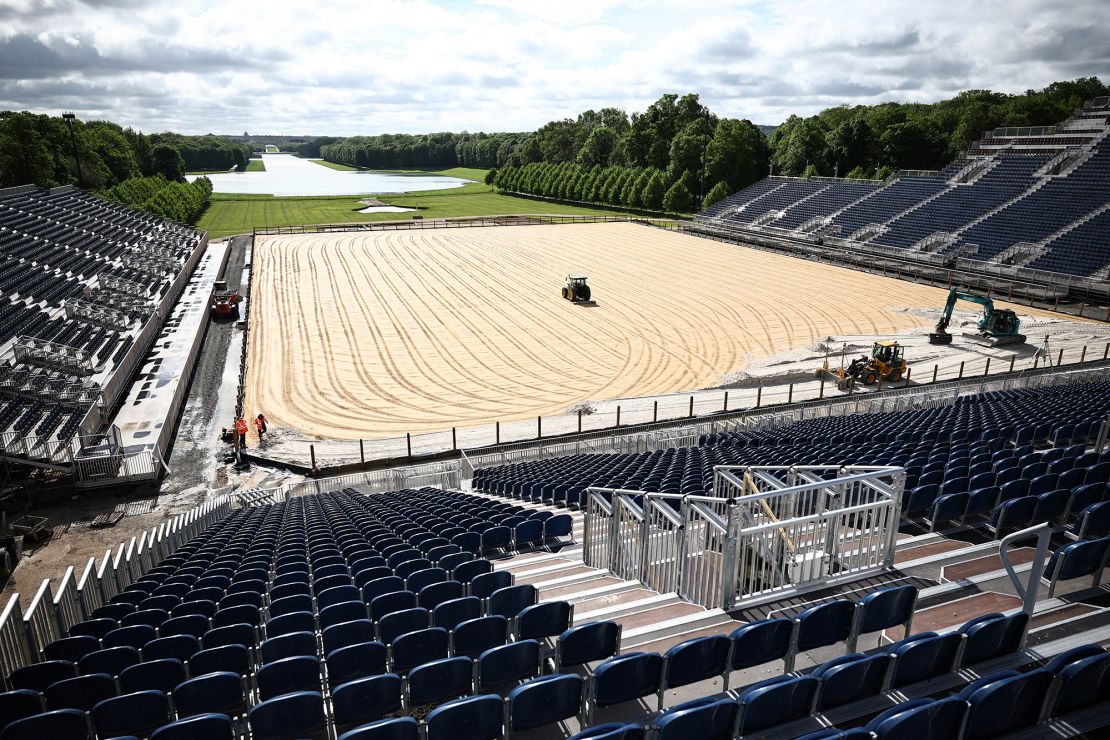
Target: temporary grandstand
87	287
927	568
914	562
1028	207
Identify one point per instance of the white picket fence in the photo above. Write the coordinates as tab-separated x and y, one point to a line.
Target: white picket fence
58	605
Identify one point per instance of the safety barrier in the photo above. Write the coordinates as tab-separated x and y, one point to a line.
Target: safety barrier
766	533
438	475
466	222
686	436
56	607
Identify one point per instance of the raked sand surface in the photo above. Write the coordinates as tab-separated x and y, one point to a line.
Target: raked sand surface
375	334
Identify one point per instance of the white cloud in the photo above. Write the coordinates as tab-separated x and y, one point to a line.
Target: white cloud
495	65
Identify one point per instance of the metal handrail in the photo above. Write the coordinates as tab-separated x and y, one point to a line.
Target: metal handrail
1027	593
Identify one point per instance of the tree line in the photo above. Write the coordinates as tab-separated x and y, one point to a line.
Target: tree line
401	151
682	141
875	141
45	151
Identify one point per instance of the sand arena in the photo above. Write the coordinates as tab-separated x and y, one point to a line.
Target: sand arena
375	334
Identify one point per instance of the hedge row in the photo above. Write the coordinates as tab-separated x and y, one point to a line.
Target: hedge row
177	201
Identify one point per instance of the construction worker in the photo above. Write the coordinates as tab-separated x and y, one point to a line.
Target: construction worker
241	430
262	420
260	427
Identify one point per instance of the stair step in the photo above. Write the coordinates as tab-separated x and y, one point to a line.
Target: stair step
675	609
524	565
662	644
987	564
681	623
926	550
954	613
549	592
624	610
590	602
1059	615
554	574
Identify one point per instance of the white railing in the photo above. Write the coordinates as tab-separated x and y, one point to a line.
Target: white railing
58	606
765	533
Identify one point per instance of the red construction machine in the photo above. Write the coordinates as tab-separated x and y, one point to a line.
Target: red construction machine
225	302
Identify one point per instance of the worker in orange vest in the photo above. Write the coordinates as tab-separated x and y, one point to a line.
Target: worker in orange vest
260	427
241	430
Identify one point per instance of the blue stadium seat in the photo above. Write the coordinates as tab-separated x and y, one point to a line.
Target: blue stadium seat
344	634
484	584
181	647
288	646
63	723
1005	705
851	677
991	635
1083	683
162	675
543	701
825	624
511	600
451	613
19	703
587	643
611	731
211	693
695	660
504	664
395	624
37	676
439	680
365	699
761	642
202	727
111	660
924	656
82	692
413	648
294	715
472	718
356	661
234	658
137	714
709	718
474	636
624	678
776	701
288	675
548	619
401	728
921	719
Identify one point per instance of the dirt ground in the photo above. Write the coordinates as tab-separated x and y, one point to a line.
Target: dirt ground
372	335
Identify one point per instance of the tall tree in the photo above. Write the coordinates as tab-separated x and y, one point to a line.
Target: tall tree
168	162
24	156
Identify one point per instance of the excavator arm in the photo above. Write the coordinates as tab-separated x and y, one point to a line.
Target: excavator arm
1003	325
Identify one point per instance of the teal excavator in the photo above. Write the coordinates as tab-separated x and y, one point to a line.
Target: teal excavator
997	326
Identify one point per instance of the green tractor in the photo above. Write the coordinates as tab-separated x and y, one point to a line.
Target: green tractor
576	290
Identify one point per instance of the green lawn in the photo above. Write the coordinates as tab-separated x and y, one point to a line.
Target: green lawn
334	166
230	213
256	165
466	173
209	172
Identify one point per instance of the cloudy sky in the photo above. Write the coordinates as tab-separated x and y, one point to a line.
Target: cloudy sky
375	66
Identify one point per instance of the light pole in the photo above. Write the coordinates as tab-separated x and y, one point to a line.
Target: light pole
68	118
704	155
